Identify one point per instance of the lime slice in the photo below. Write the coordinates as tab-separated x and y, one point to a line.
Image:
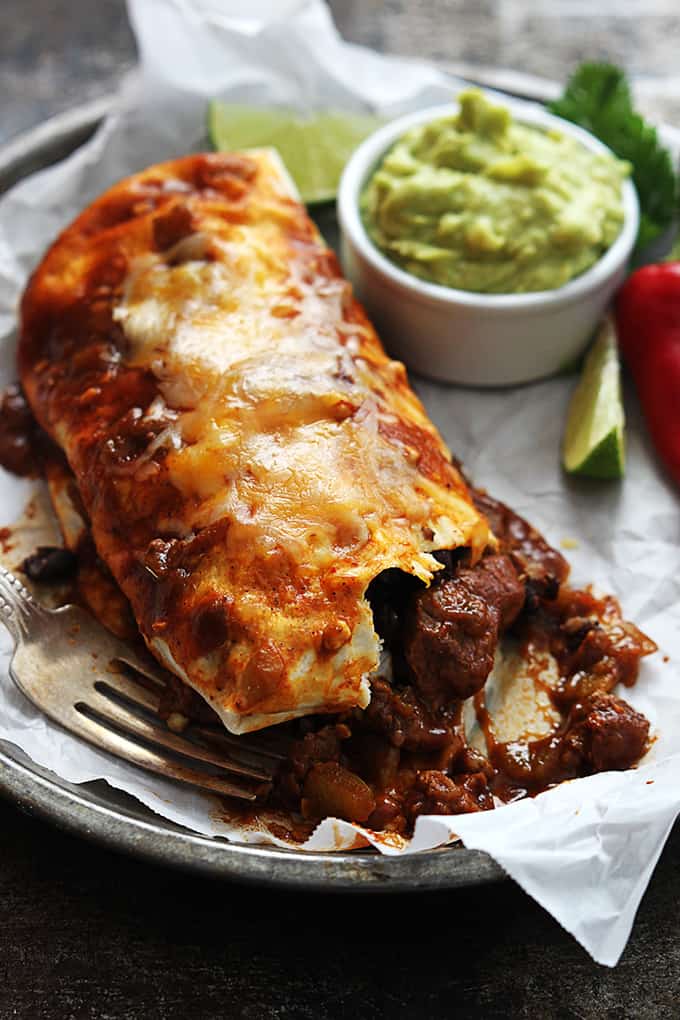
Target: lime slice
593	437
314	149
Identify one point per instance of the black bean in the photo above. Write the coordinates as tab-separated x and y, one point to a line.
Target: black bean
49	563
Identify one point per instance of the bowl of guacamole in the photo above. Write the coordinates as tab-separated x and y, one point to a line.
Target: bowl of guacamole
479	201
486	238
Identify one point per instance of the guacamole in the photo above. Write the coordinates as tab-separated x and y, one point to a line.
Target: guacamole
483	203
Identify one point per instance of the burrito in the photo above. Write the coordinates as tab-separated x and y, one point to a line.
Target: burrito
290	531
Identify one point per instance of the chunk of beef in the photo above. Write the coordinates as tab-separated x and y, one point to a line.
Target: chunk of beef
615	734
543	568
434	793
495	580
451	641
453	627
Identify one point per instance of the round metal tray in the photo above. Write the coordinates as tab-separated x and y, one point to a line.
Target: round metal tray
109	817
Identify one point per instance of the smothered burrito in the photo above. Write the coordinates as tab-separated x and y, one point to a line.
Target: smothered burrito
262	488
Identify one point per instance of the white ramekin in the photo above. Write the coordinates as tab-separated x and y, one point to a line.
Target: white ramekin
460	336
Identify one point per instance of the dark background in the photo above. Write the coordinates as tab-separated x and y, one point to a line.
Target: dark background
87	934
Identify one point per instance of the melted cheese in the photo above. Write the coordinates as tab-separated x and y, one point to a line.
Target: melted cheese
282	441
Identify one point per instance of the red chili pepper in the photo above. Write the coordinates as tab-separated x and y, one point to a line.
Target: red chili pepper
648	326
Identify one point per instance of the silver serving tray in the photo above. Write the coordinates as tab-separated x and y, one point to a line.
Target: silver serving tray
107	816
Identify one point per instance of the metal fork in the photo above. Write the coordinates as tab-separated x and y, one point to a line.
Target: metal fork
100	689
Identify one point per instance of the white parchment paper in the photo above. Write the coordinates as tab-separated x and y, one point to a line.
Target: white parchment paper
585	850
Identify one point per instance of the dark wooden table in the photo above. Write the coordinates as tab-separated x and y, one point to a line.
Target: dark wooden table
88	934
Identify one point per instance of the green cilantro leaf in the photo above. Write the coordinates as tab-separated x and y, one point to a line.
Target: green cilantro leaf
598	98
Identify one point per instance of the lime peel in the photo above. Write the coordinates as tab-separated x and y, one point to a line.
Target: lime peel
314	149
594	435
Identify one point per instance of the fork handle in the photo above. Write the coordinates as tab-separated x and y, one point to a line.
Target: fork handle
17	605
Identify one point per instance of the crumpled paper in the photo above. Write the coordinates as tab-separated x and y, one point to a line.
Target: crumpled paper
585	850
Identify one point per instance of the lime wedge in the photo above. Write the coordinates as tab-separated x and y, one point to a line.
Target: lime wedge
314	149
593	437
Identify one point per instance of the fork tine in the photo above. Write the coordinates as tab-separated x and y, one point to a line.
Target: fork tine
222	737
134	688
108	707
141	663
145	696
118	744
